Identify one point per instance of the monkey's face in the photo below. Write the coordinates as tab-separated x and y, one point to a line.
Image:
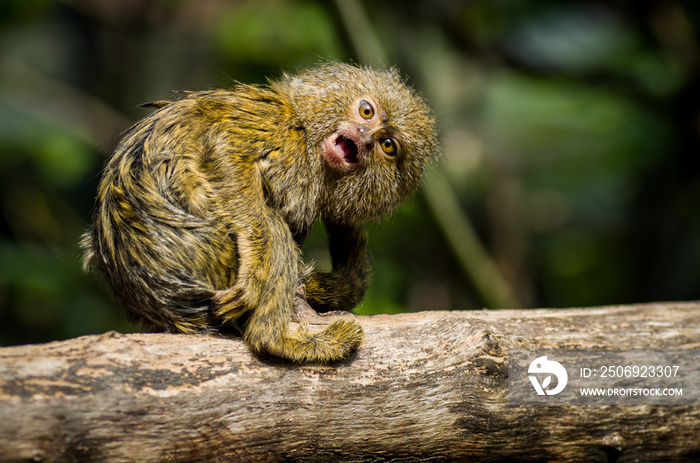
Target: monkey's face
373	134
364	138
376	153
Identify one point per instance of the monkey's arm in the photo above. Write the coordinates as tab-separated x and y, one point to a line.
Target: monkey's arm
345	286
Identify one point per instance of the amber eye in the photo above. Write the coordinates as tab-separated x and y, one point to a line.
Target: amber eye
388	146
366	110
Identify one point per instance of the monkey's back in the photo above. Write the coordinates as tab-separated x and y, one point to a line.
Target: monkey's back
165	217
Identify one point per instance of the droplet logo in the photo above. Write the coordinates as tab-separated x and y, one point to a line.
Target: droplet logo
543	366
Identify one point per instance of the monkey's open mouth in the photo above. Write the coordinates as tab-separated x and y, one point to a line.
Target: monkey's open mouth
348	148
341	152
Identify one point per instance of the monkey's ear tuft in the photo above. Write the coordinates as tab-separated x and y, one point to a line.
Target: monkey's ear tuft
155	104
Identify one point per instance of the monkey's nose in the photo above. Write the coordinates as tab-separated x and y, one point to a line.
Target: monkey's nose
365	136
361	129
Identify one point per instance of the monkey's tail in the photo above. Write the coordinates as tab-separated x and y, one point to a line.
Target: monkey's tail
336	342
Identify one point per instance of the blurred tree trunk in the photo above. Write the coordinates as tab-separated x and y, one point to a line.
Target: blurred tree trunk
426	386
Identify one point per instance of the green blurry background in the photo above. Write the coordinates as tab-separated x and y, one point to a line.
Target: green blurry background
570	133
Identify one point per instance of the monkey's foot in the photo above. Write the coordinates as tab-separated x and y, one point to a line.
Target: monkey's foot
336	342
228	304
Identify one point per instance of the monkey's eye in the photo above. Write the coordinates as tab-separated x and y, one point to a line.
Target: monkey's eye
366	110
388	146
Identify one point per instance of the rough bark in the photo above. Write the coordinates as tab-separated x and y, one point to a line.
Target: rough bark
426	386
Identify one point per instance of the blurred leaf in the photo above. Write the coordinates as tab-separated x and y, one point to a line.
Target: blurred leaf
46	296
570	37
590	143
277	32
63	159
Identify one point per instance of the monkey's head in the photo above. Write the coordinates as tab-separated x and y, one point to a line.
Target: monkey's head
373	133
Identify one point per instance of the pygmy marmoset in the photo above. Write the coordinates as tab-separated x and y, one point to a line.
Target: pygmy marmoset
205	203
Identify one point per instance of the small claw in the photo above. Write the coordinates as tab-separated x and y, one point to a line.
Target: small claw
227	304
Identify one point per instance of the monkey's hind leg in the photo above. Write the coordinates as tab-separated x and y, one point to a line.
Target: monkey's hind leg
268	331
336	342
267	279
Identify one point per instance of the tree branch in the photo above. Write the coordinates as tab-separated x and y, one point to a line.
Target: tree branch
428	386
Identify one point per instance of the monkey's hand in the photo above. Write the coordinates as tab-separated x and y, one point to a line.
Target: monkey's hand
345	286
